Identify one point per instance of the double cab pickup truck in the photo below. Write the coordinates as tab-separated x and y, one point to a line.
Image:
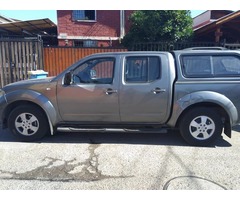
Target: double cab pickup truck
194	91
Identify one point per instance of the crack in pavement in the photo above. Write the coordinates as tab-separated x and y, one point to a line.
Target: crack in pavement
62	170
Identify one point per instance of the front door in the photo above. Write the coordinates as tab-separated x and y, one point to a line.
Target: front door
93	95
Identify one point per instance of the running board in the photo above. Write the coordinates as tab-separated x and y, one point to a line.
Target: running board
70	129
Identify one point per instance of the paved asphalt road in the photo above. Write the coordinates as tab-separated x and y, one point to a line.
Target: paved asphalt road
118	161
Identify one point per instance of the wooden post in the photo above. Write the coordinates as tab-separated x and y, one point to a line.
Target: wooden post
218	34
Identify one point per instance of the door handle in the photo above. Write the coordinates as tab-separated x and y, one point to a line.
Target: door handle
110	91
158	90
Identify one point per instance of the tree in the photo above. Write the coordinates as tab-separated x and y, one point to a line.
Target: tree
159	26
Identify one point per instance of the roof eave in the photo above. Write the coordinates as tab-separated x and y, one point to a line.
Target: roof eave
218	22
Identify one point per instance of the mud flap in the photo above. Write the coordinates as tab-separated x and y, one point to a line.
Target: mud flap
227	129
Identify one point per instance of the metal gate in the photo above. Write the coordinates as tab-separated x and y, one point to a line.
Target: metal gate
17	57
169	46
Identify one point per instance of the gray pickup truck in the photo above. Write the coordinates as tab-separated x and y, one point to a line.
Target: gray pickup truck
195	91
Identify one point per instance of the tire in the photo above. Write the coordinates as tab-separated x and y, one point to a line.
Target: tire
201	126
28	123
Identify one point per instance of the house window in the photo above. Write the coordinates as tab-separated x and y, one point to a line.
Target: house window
84	15
85	43
78	43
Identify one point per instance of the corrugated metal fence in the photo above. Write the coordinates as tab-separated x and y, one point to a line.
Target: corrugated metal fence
17	57
57	59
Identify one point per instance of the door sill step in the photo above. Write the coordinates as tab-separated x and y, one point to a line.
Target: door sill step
70	129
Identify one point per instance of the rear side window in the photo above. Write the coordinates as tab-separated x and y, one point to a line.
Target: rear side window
197	66
142	69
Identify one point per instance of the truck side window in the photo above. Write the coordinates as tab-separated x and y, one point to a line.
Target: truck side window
226	65
142	69
95	71
196	66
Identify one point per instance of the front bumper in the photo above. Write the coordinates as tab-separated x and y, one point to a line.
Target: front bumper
3	104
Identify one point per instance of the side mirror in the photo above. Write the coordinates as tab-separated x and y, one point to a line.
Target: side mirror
68	78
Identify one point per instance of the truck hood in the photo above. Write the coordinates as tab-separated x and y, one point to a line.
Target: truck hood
27	84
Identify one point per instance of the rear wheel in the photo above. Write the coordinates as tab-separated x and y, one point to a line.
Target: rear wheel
201	126
28	123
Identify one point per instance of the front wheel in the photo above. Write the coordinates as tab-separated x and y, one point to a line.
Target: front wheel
28	123
201	126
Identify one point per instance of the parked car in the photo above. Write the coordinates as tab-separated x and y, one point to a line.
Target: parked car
196	92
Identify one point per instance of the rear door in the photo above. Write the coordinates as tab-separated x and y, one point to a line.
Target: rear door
146	88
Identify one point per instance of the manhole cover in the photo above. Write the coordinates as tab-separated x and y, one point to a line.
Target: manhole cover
192	183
